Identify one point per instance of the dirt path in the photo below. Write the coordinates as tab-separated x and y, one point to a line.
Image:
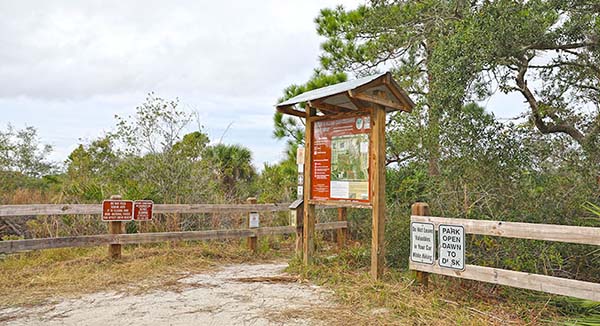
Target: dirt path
234	295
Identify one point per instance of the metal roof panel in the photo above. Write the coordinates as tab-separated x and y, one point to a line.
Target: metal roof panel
330	90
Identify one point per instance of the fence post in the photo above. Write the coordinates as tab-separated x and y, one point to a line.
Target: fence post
115	227
342	233
252	241
421	209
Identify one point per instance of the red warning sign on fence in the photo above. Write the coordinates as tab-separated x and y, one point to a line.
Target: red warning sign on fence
117	210
142	210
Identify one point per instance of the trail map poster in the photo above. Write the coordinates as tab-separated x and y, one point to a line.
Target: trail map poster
340	166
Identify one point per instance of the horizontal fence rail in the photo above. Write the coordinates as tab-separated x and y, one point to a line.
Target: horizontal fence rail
543	283
530	231
139	238
96	209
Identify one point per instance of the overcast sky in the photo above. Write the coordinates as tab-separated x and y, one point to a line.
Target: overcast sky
67	67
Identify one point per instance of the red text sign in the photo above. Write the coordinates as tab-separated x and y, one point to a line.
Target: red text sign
142	210
117	210
340	160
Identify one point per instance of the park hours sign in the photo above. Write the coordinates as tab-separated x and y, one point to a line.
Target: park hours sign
452	246
422	242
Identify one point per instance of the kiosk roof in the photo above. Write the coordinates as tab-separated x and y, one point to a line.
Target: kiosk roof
352	95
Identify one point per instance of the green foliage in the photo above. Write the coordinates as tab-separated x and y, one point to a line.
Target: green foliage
277	182
192	145
21	152
155	128
591	207
232	167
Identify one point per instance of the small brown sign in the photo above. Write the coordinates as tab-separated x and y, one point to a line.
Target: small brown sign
142	210
117	210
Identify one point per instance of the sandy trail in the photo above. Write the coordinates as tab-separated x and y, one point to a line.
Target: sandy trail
212	298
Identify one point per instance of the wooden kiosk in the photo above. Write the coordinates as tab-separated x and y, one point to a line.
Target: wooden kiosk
344	163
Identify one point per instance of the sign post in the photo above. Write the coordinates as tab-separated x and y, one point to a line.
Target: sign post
421	209
252	223
300	162
115	211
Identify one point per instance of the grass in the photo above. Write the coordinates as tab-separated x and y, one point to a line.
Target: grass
397	300
41	276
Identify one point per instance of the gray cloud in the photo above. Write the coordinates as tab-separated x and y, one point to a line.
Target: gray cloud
66	49
66	67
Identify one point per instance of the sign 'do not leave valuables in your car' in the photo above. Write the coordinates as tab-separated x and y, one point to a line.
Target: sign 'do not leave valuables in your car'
422	242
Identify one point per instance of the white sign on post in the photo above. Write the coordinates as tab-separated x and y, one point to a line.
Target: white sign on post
254	220
422	243
452	246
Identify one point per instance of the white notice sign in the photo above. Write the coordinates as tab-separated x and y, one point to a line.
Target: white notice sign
254	220
452	246
339	189
422	242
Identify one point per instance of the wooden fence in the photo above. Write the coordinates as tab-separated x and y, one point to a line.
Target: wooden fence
547	232
139	238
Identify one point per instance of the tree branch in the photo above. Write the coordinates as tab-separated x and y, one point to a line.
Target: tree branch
538	119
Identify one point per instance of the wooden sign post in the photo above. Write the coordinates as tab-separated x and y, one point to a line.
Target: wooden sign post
345	161
116	211
252	241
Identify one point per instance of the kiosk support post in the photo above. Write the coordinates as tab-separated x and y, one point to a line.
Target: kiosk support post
377	165
308	231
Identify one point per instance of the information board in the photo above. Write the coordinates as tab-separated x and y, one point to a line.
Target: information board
452	246
142	210
422	242
117	210
340	159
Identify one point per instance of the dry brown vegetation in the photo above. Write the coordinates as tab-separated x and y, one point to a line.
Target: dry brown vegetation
36	277
43	276
397	300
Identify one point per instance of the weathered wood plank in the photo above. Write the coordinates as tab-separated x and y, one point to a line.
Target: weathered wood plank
543	283
531	231
104	239
331	225
325	204
50	243
50	209
93	209
378	101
